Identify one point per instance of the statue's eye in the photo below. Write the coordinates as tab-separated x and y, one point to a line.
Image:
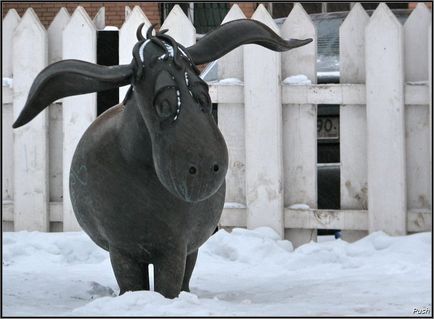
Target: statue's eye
165	102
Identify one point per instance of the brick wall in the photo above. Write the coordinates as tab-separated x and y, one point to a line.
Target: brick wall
114	11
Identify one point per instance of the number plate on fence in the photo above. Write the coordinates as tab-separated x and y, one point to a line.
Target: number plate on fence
328	127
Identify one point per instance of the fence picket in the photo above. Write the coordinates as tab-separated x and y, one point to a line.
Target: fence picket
231	120
299	124
9	24
99	19
55	52
78	111
430	108
127	39
263	133
180	27
385	122
417	117
353	153
30	141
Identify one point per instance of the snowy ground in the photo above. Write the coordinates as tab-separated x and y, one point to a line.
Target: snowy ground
243	273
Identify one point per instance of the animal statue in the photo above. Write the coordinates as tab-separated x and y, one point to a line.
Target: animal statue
147	179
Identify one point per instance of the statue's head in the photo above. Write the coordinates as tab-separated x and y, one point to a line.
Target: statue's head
189	152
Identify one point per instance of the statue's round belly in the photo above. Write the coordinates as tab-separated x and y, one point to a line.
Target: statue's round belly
132	210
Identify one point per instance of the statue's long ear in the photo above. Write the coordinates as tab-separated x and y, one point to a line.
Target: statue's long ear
235	33
67	78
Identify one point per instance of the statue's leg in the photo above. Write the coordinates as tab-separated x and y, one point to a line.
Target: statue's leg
189	266
130	274
168	273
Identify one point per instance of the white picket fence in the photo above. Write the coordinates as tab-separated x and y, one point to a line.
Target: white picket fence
269	126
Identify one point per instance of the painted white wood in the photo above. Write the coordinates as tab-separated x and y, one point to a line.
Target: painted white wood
7	151
78	111
352	117
263	133
55	32
430	110
31	140
231	64
231	119
9	24
127	40
354	221
415	93
180	27
327	219
55	53
233	217
226	94
385	122
299	123
417	131
127	12
99	19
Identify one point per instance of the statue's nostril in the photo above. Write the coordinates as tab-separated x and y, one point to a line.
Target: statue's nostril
192	170
216	168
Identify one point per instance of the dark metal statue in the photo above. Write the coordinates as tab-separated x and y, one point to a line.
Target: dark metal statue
147	179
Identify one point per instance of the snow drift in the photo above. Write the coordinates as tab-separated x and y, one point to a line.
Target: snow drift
242	273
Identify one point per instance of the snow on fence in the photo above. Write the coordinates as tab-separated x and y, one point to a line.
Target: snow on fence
269	124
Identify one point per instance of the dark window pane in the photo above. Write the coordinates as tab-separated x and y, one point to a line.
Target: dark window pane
281	9
207	16
107	54
312	7
337	6
370	5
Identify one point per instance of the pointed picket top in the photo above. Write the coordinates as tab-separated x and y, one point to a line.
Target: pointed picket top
298	23
302	60
35	31
29	50
127	39
180	27
127	12
234	13
231	64
416	46
9	23
30	18
383	17
134	19
261	14
352	45
99	19
83	32
12	15
127	33
55	34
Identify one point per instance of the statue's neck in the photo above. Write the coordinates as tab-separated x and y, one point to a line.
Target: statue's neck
135	141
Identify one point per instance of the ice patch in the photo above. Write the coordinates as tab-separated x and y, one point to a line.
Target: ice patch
7	82
110	28
234	205
229	81
299	206
299	79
